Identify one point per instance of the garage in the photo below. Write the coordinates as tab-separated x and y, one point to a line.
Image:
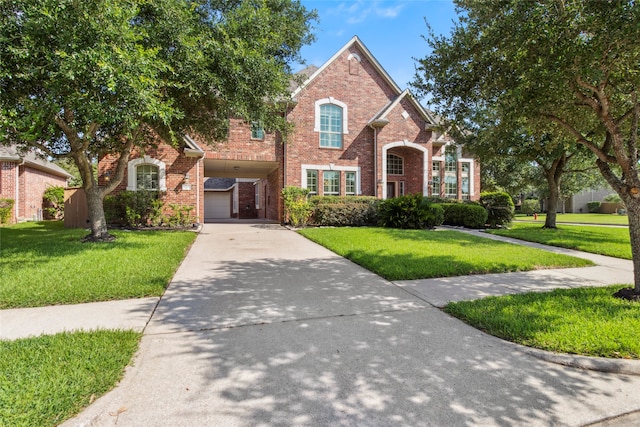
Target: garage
217	205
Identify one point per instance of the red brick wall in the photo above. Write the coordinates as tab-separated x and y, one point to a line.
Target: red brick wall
8	175
247	200
32	184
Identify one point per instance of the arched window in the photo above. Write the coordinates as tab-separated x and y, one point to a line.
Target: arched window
331	122
395	165
146	173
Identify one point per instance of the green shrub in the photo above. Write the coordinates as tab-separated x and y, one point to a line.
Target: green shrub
6	207
470	215
132	208
54	202
297	208
410	212
499	206
344	211
436	215
530	206
593	207
613	198
180	216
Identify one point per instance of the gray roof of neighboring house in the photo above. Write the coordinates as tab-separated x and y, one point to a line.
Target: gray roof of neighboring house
11	154
218	183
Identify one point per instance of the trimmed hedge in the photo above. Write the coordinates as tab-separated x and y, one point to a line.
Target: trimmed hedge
468	215
409	212
500	207
344	211
594	207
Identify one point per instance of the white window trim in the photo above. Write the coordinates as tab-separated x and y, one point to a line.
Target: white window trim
425	165
345	114
330	167
146	160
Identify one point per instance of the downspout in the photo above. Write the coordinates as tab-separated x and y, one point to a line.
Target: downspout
198	189
375	124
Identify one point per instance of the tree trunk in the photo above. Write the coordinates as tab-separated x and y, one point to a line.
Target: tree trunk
97	220
633	212
552	205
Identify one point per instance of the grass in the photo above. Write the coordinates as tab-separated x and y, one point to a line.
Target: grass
609	241
585	321
417	254
581	218
46	380
42	263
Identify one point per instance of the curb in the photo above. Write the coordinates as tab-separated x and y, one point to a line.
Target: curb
601	364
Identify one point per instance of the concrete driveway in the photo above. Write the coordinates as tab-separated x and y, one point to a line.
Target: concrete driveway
261	327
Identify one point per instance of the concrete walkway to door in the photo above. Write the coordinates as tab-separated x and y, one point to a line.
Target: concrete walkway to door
263	327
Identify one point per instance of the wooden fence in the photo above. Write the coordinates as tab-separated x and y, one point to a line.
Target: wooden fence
75	208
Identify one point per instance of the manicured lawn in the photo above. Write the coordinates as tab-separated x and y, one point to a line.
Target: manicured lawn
611	241
586	321
43	264
418	254
584	218
48	379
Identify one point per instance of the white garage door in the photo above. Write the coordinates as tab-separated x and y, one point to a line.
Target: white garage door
217	205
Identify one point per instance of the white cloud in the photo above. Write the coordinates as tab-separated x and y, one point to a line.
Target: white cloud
359	10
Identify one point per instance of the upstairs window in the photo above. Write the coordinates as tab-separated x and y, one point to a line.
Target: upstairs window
330	126
395	165
257	131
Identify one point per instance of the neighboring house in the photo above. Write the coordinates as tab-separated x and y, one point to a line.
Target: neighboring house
356	133
24	178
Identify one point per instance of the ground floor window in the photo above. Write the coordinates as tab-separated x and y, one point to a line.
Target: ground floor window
435	179
312	182
465	169
350	183
147	177
331	181
146	173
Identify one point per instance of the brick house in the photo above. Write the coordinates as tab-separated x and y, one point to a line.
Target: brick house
24	178
356	133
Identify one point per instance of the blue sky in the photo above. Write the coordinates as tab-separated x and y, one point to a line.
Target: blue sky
391	29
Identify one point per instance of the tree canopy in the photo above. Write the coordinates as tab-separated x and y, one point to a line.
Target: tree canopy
569	66
81	79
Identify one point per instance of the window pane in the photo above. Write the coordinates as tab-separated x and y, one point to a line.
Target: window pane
331	183
147	177
350	183
395	165
330	126
435	179
257	132
312	181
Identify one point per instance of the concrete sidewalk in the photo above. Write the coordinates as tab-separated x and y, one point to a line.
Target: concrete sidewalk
263	327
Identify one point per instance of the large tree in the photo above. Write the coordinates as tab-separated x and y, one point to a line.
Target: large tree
81	79
574	64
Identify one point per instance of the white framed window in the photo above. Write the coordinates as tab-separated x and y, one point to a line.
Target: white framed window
465	168
331	121
350	183
435	179
146	173
451	173
312	182
400	188
331	183
395	165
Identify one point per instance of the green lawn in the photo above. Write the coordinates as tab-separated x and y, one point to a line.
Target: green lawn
42	263
49	379
585	321
611	241
581	218
417	254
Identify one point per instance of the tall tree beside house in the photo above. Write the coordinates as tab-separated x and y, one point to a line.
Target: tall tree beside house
82	79
572	64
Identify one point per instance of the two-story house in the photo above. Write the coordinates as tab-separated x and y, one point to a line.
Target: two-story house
355	133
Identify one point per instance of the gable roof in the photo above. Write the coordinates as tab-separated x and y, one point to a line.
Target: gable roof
314	72
31	158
